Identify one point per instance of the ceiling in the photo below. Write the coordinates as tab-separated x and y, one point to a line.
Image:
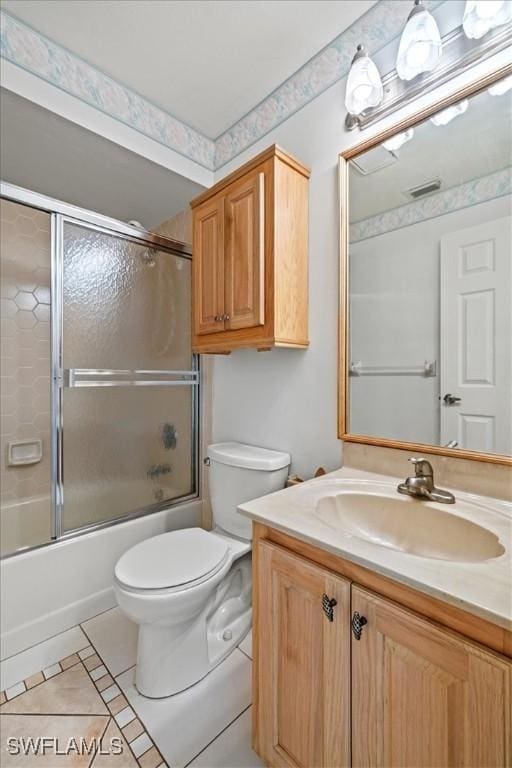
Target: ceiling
206	62
472	145
45	153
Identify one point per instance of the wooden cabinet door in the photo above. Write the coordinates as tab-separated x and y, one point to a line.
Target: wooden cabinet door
422	696
302	713
245	253
208	266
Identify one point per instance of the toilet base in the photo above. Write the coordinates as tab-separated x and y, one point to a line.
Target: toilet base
173	658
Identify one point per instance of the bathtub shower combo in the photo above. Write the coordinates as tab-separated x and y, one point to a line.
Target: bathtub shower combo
99	384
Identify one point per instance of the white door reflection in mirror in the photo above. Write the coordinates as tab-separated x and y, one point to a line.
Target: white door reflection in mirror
476	348
428	254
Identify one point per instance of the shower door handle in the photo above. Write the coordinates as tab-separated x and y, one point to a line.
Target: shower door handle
89	377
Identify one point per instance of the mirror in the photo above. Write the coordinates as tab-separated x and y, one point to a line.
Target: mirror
427	281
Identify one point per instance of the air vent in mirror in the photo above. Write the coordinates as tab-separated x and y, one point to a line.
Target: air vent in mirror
373	160
424	189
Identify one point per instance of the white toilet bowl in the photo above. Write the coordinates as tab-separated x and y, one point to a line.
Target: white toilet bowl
190	590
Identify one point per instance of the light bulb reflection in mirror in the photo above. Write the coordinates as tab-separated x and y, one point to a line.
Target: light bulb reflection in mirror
480	16
501	87
447	115
395	142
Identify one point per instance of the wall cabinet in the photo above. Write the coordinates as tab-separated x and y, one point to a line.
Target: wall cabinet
375	686
250	265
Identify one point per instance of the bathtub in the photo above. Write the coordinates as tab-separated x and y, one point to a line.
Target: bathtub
25	523
48	590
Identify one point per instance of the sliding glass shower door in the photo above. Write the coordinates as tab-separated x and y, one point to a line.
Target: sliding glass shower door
125	378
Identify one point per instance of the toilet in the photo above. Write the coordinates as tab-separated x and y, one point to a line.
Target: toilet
190	590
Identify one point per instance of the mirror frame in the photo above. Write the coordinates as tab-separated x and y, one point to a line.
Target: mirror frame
343	316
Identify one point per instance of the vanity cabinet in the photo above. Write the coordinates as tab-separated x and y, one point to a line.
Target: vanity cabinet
377	686
422	696
250	266
304	662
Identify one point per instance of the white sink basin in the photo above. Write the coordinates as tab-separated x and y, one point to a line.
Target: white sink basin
406	525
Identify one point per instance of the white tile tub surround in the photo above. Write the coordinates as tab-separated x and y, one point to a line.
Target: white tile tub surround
183	725
54	588
41	656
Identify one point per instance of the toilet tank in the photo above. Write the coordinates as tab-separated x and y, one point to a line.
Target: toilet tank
239	473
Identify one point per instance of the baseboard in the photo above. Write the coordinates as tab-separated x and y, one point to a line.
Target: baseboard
50	624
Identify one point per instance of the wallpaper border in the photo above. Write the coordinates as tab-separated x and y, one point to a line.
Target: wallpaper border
35	53
489	187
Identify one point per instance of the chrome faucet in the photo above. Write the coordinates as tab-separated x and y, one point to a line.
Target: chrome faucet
421	486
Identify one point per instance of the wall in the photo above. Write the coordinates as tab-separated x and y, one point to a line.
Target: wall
395	282
286	398
25	348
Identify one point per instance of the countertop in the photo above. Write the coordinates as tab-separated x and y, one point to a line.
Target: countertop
482	588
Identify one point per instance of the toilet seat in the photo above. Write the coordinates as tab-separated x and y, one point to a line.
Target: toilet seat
172	561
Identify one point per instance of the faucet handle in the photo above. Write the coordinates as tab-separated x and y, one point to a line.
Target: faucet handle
422	467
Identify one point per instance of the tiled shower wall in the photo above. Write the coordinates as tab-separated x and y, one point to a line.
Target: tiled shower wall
179	227
25	345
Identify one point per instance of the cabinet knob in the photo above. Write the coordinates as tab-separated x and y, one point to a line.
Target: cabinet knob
358	623
328	606
225	317
219	318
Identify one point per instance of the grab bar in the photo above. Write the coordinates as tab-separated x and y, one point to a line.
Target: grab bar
427	369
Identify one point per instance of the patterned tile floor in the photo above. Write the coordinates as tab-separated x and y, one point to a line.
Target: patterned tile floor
87	708
76	706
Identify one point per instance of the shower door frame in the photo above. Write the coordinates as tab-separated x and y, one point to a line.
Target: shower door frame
60	214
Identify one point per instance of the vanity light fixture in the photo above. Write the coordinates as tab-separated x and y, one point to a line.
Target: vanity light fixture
395	142
480	16
420	45
364	86
426	60
447	115
501	87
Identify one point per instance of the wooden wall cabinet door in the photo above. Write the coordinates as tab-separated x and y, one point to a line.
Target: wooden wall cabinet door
251	268
245	253
302	686
422	696
208	273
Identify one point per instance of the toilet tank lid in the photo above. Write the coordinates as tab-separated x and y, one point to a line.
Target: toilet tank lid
248	456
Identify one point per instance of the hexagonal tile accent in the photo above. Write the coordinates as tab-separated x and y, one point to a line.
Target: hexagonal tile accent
25	300
25	319
26	225
42	294
8	307
42	312
25	330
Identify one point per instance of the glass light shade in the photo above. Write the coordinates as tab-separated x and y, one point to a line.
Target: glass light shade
480	16
446	115
501	87
420	45
395	142
364	86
